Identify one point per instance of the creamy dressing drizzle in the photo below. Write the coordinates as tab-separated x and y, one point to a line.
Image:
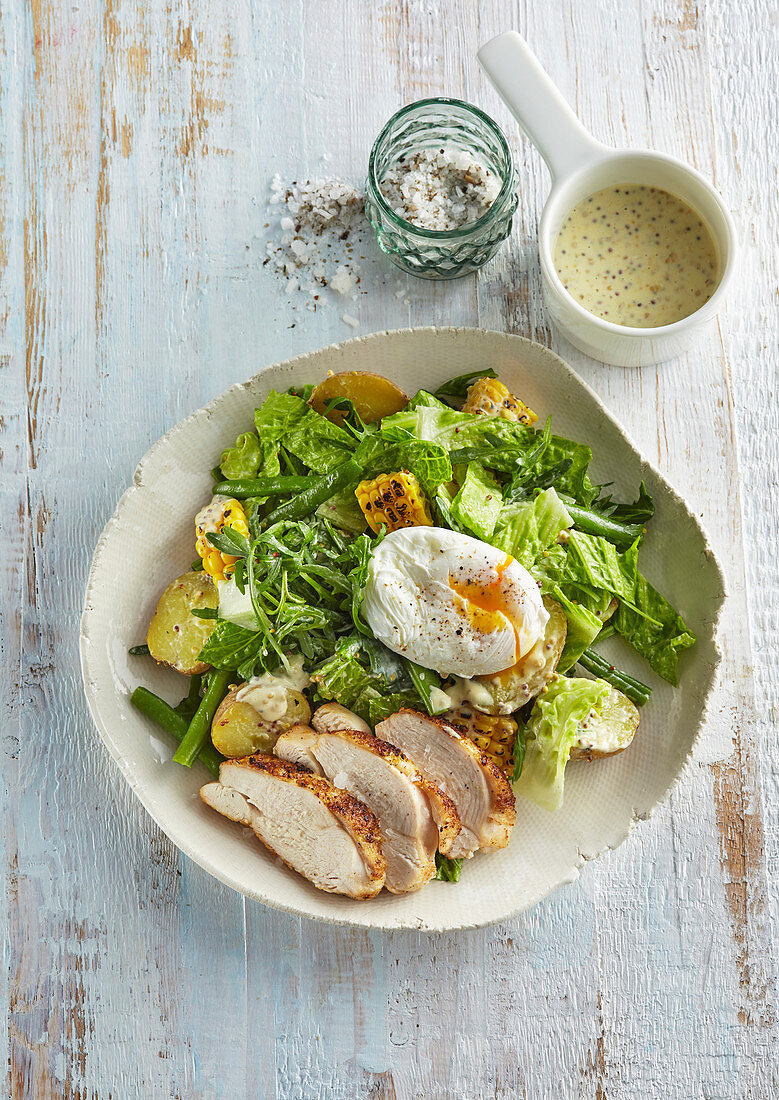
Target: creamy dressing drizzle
267	694
208	517
637	256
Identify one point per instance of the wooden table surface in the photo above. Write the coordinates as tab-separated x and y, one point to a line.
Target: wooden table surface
137	143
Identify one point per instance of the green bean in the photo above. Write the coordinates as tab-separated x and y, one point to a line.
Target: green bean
637	692
424	680
318	490
623	535
164	715
263	486
139	650
195	737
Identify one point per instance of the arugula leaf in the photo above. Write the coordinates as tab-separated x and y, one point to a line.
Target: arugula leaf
458	387
479	502
520	744
640	511
447	870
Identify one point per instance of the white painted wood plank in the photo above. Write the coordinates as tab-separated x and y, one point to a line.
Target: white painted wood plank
145	180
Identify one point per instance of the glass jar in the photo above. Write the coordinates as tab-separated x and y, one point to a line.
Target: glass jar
445	124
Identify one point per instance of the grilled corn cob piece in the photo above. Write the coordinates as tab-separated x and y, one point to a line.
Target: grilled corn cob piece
220	513
395	500
489	396
493	733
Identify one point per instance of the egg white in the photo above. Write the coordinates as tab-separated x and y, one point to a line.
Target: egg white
411	605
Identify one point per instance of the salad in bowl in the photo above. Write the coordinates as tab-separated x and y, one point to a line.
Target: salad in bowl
390	627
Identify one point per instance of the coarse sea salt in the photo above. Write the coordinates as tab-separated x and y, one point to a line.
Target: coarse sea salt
440	189
318	229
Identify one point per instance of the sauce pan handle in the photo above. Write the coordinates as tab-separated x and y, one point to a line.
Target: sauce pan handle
537	105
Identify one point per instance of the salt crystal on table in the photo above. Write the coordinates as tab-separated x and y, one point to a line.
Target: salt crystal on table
349	320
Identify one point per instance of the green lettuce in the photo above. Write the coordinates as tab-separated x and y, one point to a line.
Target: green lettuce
479	502
423	398
278	414
250	458
526	530
344	512
589	572
451	430
344	679
584	626
551	733
242	460
653	627
428	462
318	443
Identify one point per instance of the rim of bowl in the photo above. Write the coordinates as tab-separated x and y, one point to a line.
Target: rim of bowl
507	186
712	304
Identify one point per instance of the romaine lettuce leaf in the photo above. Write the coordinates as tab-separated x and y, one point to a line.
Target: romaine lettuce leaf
428	462
479	502
315	440
654	628
278	414
236	606
344	512
319	443
242	460
551	733
583	628
344	679
526	530
250	458
588	573
423	398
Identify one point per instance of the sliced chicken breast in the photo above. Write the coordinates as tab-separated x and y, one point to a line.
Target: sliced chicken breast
391	786
324	834
332	716
480	791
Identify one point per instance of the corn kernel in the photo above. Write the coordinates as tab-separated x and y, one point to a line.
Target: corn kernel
393	500
494	734
492	398
213	518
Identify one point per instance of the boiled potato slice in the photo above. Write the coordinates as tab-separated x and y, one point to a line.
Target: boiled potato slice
517	685
238	730
373	396
610	731
175	636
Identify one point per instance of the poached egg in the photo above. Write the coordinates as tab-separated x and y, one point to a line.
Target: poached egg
451	602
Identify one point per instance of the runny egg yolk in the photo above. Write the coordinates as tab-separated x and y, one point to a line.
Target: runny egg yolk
485	603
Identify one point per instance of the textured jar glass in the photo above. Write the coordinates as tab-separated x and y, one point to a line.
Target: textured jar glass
443	124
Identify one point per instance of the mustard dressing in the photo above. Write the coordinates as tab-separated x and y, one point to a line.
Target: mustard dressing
637	256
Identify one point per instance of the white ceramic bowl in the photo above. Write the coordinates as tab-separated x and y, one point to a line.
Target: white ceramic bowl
580	166
149	540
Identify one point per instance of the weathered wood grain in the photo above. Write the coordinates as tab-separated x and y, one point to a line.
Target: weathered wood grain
136	145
